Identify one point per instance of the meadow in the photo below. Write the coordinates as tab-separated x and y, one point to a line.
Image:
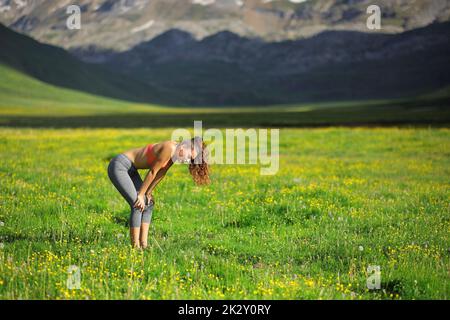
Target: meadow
344	199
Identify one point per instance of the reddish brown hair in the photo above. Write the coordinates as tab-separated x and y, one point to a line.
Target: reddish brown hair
199	167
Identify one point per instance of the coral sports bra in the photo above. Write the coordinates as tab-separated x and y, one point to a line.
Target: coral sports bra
151	157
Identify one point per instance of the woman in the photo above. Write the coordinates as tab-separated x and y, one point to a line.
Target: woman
159	158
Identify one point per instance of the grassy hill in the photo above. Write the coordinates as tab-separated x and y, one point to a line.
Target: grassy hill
20	94
55	66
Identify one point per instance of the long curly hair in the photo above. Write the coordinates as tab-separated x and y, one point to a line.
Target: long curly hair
199	167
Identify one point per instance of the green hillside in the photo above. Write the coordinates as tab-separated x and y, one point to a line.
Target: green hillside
55	66
22	95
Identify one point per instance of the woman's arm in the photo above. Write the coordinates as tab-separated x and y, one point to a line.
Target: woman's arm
159	176
149	178
151	174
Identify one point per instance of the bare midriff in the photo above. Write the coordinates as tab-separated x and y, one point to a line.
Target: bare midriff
143	158
138	157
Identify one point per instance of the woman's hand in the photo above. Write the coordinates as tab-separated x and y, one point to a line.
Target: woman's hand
150	199
140	202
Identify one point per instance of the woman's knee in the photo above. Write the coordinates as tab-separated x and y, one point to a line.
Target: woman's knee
147	214
135	218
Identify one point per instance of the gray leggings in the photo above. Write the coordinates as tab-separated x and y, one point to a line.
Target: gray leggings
125	177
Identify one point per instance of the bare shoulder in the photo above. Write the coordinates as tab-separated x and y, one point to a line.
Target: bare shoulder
167	144
165	149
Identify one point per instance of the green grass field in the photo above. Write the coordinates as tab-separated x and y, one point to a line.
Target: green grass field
344	199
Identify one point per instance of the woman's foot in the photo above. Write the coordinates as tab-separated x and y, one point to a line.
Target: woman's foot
144	245
134	237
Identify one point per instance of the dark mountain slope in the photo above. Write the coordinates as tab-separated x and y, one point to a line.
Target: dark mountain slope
226	69
55	66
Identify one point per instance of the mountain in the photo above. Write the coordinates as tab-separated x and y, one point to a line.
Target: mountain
175	68
227	69
122	24
55	66
228	52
